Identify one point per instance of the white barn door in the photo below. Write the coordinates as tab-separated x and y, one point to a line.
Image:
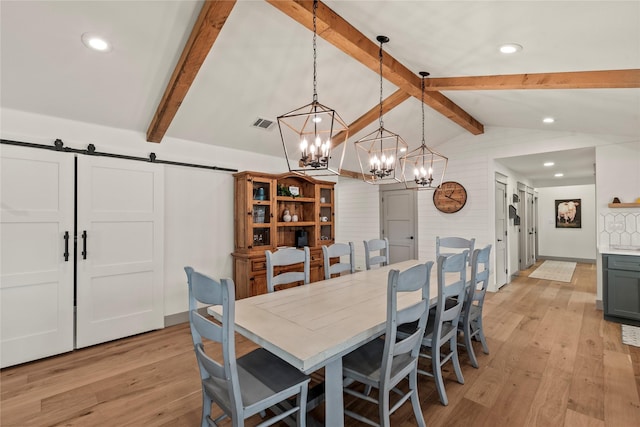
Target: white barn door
36	261
120	249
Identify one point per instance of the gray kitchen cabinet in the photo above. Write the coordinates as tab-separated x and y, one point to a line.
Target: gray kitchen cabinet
621	288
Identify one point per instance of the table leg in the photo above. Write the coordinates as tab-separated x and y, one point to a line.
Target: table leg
334	406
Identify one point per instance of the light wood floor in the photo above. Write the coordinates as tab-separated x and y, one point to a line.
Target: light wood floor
554	362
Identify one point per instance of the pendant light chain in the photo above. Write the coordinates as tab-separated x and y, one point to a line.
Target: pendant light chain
315	54
422	100
380	57
428	165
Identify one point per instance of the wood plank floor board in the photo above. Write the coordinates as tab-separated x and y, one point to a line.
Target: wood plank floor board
553	361
550	400
635	363
576	419
621	401
587	387
487	388
521	387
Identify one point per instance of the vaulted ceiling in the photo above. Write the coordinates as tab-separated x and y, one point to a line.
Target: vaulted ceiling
204	71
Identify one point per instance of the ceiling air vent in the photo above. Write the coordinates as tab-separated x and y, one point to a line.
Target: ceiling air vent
263	123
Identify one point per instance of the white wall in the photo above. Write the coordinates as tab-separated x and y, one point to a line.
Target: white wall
358	218
198	202
576	243
471	162
617	175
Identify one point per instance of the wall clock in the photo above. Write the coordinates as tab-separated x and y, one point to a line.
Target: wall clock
450	197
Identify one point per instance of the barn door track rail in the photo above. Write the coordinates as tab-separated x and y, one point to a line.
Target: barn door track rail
58	145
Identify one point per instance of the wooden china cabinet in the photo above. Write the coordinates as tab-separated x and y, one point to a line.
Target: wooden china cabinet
275	211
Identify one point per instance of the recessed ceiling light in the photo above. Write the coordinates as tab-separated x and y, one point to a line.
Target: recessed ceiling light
547	164
559	175
548	120
96	42
509	48
403	149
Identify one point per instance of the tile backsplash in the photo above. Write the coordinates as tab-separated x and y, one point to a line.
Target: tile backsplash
619	228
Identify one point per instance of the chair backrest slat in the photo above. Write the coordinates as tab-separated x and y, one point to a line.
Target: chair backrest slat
480	258
413	279
375	245
457	243
205	290
453	264
338	250
285	257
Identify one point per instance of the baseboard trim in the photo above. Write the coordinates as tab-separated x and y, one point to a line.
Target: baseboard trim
183	317
554	258
599	305
176	319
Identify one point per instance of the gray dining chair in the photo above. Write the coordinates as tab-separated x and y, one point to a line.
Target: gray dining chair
286	257
471	318
442	328
384	363
376	252
444	246
245	386
338	250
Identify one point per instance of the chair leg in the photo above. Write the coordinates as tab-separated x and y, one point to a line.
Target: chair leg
301	401
456	361
367	390
383	407
206	410
485	348
468	343
415	401
437	374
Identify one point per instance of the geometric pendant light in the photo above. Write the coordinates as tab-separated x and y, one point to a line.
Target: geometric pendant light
378	153
423	168
309	133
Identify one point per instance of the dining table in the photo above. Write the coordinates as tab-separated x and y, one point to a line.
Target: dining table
313	326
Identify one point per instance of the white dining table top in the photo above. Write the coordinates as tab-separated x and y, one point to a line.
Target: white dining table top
310	325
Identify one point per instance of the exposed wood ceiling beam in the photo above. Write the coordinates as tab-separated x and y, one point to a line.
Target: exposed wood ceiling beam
350	174
337	31
212	18
566	80
373	114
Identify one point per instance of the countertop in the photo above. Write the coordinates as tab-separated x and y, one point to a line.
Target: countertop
620	250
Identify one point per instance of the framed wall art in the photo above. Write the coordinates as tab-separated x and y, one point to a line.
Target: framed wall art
568	213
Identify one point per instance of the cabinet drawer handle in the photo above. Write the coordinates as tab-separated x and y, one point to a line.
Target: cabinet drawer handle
66	246
84	244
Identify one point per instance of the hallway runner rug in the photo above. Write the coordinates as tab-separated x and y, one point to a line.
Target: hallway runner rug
631	335
560	271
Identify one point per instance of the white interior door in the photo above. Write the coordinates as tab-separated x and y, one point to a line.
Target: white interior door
398	218
522	229
531	243
36	283
501	234
120	284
